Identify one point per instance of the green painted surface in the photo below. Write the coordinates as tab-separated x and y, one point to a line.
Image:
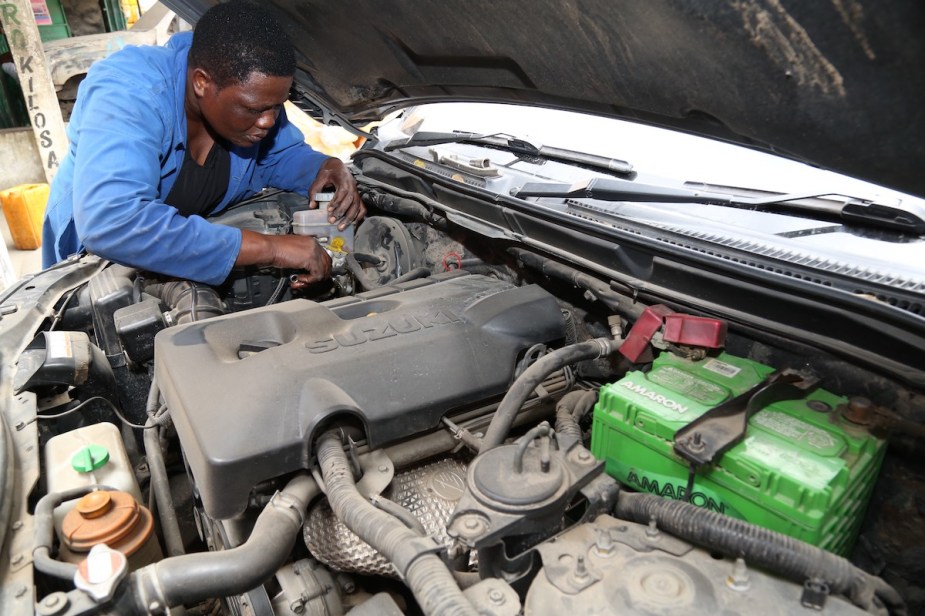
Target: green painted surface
58	29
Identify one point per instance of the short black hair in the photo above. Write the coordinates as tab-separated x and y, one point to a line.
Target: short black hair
237	38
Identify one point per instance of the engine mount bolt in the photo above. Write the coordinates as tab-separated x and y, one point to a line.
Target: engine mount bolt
584	455
471	524
297	606
581	570
383	469
53	604
738	579
652	529
496	596
604	546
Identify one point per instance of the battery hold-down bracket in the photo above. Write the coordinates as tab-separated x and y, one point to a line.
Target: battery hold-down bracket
704	440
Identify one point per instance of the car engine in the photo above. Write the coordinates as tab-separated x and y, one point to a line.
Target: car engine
454	424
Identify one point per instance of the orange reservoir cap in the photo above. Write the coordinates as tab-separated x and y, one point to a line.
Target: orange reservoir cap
110	517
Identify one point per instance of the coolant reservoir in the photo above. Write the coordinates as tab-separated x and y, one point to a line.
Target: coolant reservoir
87	456
114	518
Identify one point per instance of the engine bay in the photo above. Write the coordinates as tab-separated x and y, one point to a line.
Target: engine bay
456	423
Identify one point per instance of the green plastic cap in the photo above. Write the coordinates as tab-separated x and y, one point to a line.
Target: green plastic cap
90	458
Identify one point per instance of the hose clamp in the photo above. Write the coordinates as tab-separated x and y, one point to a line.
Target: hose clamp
147	588
414	549
606	345
289	505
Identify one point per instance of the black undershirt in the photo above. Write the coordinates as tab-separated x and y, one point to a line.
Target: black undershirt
198	189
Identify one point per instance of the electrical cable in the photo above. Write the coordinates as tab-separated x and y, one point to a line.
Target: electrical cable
80	406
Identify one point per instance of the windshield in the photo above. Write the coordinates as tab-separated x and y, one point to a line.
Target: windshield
663	152
676	160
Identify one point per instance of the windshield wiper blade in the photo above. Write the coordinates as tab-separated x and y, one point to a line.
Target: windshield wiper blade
606	189
520	147
856	211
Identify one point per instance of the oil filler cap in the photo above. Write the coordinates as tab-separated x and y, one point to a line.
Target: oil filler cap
89	458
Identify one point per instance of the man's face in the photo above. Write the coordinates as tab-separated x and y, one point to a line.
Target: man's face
241	113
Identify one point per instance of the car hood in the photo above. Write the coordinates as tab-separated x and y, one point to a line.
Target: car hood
836	84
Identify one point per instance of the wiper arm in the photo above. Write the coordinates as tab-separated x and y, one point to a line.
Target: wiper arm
605	189
430	138
520	147
856	211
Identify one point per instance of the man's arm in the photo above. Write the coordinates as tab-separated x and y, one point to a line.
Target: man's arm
299	252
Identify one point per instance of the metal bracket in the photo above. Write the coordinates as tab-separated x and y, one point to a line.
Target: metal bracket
815	592
705	439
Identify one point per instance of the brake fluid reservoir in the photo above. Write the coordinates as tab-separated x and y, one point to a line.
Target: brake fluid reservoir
87	456
315	222
802	469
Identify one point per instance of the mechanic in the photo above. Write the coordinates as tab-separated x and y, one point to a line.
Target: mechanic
162	137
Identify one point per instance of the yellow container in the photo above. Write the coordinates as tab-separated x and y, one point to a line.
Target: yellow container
24	209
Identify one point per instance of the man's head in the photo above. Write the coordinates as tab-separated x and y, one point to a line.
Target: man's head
240	70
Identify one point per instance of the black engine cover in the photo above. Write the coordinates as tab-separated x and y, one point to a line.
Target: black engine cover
248	391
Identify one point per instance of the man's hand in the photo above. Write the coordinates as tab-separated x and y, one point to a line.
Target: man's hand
346	208
299	252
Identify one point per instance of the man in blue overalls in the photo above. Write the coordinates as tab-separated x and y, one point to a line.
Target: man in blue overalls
162	137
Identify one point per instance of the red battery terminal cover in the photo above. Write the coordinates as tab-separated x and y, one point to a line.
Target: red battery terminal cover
647	325
688	330
677	328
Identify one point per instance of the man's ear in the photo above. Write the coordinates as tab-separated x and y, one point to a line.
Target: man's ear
202	83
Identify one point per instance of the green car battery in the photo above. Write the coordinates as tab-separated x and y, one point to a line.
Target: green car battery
801	469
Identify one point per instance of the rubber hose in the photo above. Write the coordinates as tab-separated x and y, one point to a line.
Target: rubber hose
418	272
153	404
195	577
566	422
189	301
466	579
426	575
760	547
363	257
607	296
398	205
359	274
44	531
406	517
532	377
369	191
363	281
160	485
585	404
